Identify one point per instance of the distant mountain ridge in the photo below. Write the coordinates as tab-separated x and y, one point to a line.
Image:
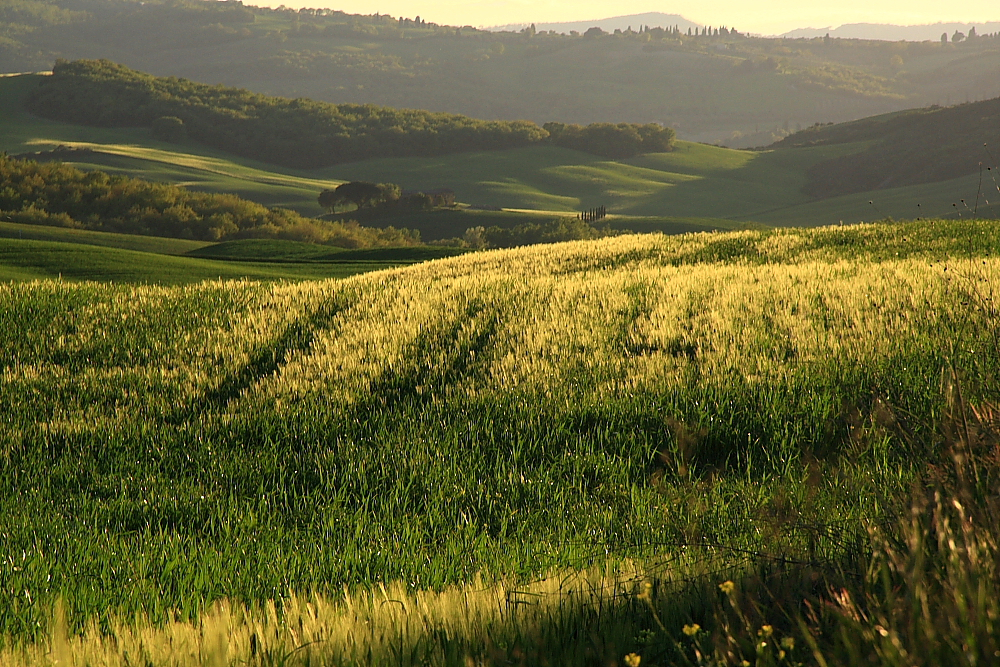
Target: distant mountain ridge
651	19
874	31
895	33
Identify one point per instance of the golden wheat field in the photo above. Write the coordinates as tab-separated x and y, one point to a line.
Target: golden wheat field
472	460
633	312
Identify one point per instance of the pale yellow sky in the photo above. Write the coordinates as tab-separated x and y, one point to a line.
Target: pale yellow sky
763	16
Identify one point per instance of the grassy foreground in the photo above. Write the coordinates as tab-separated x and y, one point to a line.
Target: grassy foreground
708	406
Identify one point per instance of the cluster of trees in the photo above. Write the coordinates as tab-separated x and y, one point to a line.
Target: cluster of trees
655	33
532	233
709	31
57	194
959	36
612	140
296	133
366	195
360	194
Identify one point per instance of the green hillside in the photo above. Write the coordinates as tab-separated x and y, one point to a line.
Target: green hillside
557	452
908	148
35	252
539	178
27	260
152	244
716	187
723	187
270	250
293	133
747	91
134	152
695	180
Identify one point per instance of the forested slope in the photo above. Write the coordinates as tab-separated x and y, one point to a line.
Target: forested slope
741	90
908	148
303	133
298	133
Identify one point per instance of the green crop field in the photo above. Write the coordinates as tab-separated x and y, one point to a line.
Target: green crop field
33	252
548	454
24	260
270	250
153	244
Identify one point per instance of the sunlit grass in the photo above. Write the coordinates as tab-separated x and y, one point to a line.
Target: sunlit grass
711	398
568	618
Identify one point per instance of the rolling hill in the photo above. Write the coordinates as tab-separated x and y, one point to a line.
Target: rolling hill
743	91
907	148
895	33
293	133
695	187
32	252
135	152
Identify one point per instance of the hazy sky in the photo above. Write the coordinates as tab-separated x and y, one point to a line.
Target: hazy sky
760	16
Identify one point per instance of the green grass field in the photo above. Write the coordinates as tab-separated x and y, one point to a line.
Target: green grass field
261	250
694	181
643	409
32	252
153	244
24	260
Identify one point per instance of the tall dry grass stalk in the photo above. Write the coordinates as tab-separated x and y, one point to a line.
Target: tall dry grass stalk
574	618
931	592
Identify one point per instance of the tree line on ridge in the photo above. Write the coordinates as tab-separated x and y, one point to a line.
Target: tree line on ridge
303	133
